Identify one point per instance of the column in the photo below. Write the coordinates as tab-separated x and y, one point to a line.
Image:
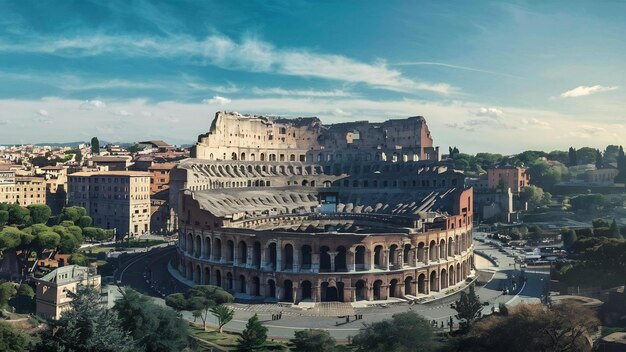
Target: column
315	262
371	256
224	250
279	256
352	265
249	249
296	259
401	258
332	260
426	255
437	252
263	259
455	247
316	294
236	252
386	258
415	252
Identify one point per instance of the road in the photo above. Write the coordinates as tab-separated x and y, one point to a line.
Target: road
148	274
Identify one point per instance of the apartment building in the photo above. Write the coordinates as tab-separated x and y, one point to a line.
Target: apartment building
7	185
30	190
117	200
52	297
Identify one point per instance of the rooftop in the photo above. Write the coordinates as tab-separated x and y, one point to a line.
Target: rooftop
110	173
68	274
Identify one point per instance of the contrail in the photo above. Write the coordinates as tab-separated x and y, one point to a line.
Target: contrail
417	63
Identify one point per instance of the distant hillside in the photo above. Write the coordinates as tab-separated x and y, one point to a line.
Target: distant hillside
65	144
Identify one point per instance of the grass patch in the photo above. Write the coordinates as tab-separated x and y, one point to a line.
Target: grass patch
228	340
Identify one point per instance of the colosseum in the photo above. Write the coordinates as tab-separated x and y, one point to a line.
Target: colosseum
292	210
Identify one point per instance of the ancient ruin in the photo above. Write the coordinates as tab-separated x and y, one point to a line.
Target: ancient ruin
293	210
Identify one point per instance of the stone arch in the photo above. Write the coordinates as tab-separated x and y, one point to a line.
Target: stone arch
242	253
421	253
207	247
408	286
230	251
189	243
287	291
378	257
243	156
306	289
432	250
406	254
421	284
451	277
434	283
341	259
217	249
376	290
207	275
256	254
359	258
450	247
229	281
197	275
324	258
393	256
442	248
233	156
288	257
444	279
393	288
242	284
360	290
271	288
198	247
218	278
306	256
272	255
459	273
256	286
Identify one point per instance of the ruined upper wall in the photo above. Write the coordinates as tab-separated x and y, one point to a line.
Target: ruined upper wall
233	136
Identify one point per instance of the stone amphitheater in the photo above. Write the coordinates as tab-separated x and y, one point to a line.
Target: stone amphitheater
347	212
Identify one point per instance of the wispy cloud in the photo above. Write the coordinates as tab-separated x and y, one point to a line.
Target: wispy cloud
300	92
458	67
92	104
249	54
582	91
217	100
490	112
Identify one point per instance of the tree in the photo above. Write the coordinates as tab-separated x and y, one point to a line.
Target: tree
24	300
569	237
176	301
86	326
95	146
572	157
468	308
10	238
614	230
7	291
12	340
535	196
18	215
404	332
253	337
39	213
598	159
153	327
564	327
313	340
224	315
78	259
4	217
610	153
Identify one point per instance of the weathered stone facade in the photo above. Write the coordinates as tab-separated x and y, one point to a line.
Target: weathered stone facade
327	229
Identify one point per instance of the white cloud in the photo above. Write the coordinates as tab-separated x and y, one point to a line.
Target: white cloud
534	122
341	112
122	113
43	113
217	100
490	112
92	104
581	91
300	92
250	54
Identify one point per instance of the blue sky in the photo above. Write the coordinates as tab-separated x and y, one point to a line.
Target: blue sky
488	76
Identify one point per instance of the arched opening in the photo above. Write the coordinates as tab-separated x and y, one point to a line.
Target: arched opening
329	293
432	250
360	290
288	257
408	286
256	286
359	258
189	273
378	257
444	279
393	288
207	276
421	284
230	254
377	287
340	259
198	247
340	289
271	288
242	284
306	257
306	289
196	276
233	156
393	257
262	156
288	291
451	277
420	253
324	258
218	278
433	281
243	156
229	281
450	248
189	243
272	256
256	255
242	253
442	249
406	255
459	274
217	249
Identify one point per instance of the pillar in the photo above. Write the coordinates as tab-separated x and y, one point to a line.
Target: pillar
415	253
279	256
263	257
224	250
315	262
332	255
386	258
296	259
426	255
437	252
236	252
250	250
371	259
316	294
352	265
401	258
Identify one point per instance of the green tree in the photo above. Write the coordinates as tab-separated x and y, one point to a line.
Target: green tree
176	301
586	155
95	146
535	196
10	238
12	340
468	308
404	332
84	221
614	231
24	300
599	161
7	291
39	213
224	315
4	217
18	215
78	259
313	340
86	326
153	327
253	337
610	153
572	157
569	237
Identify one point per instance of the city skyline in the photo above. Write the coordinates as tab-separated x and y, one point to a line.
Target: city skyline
552	74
